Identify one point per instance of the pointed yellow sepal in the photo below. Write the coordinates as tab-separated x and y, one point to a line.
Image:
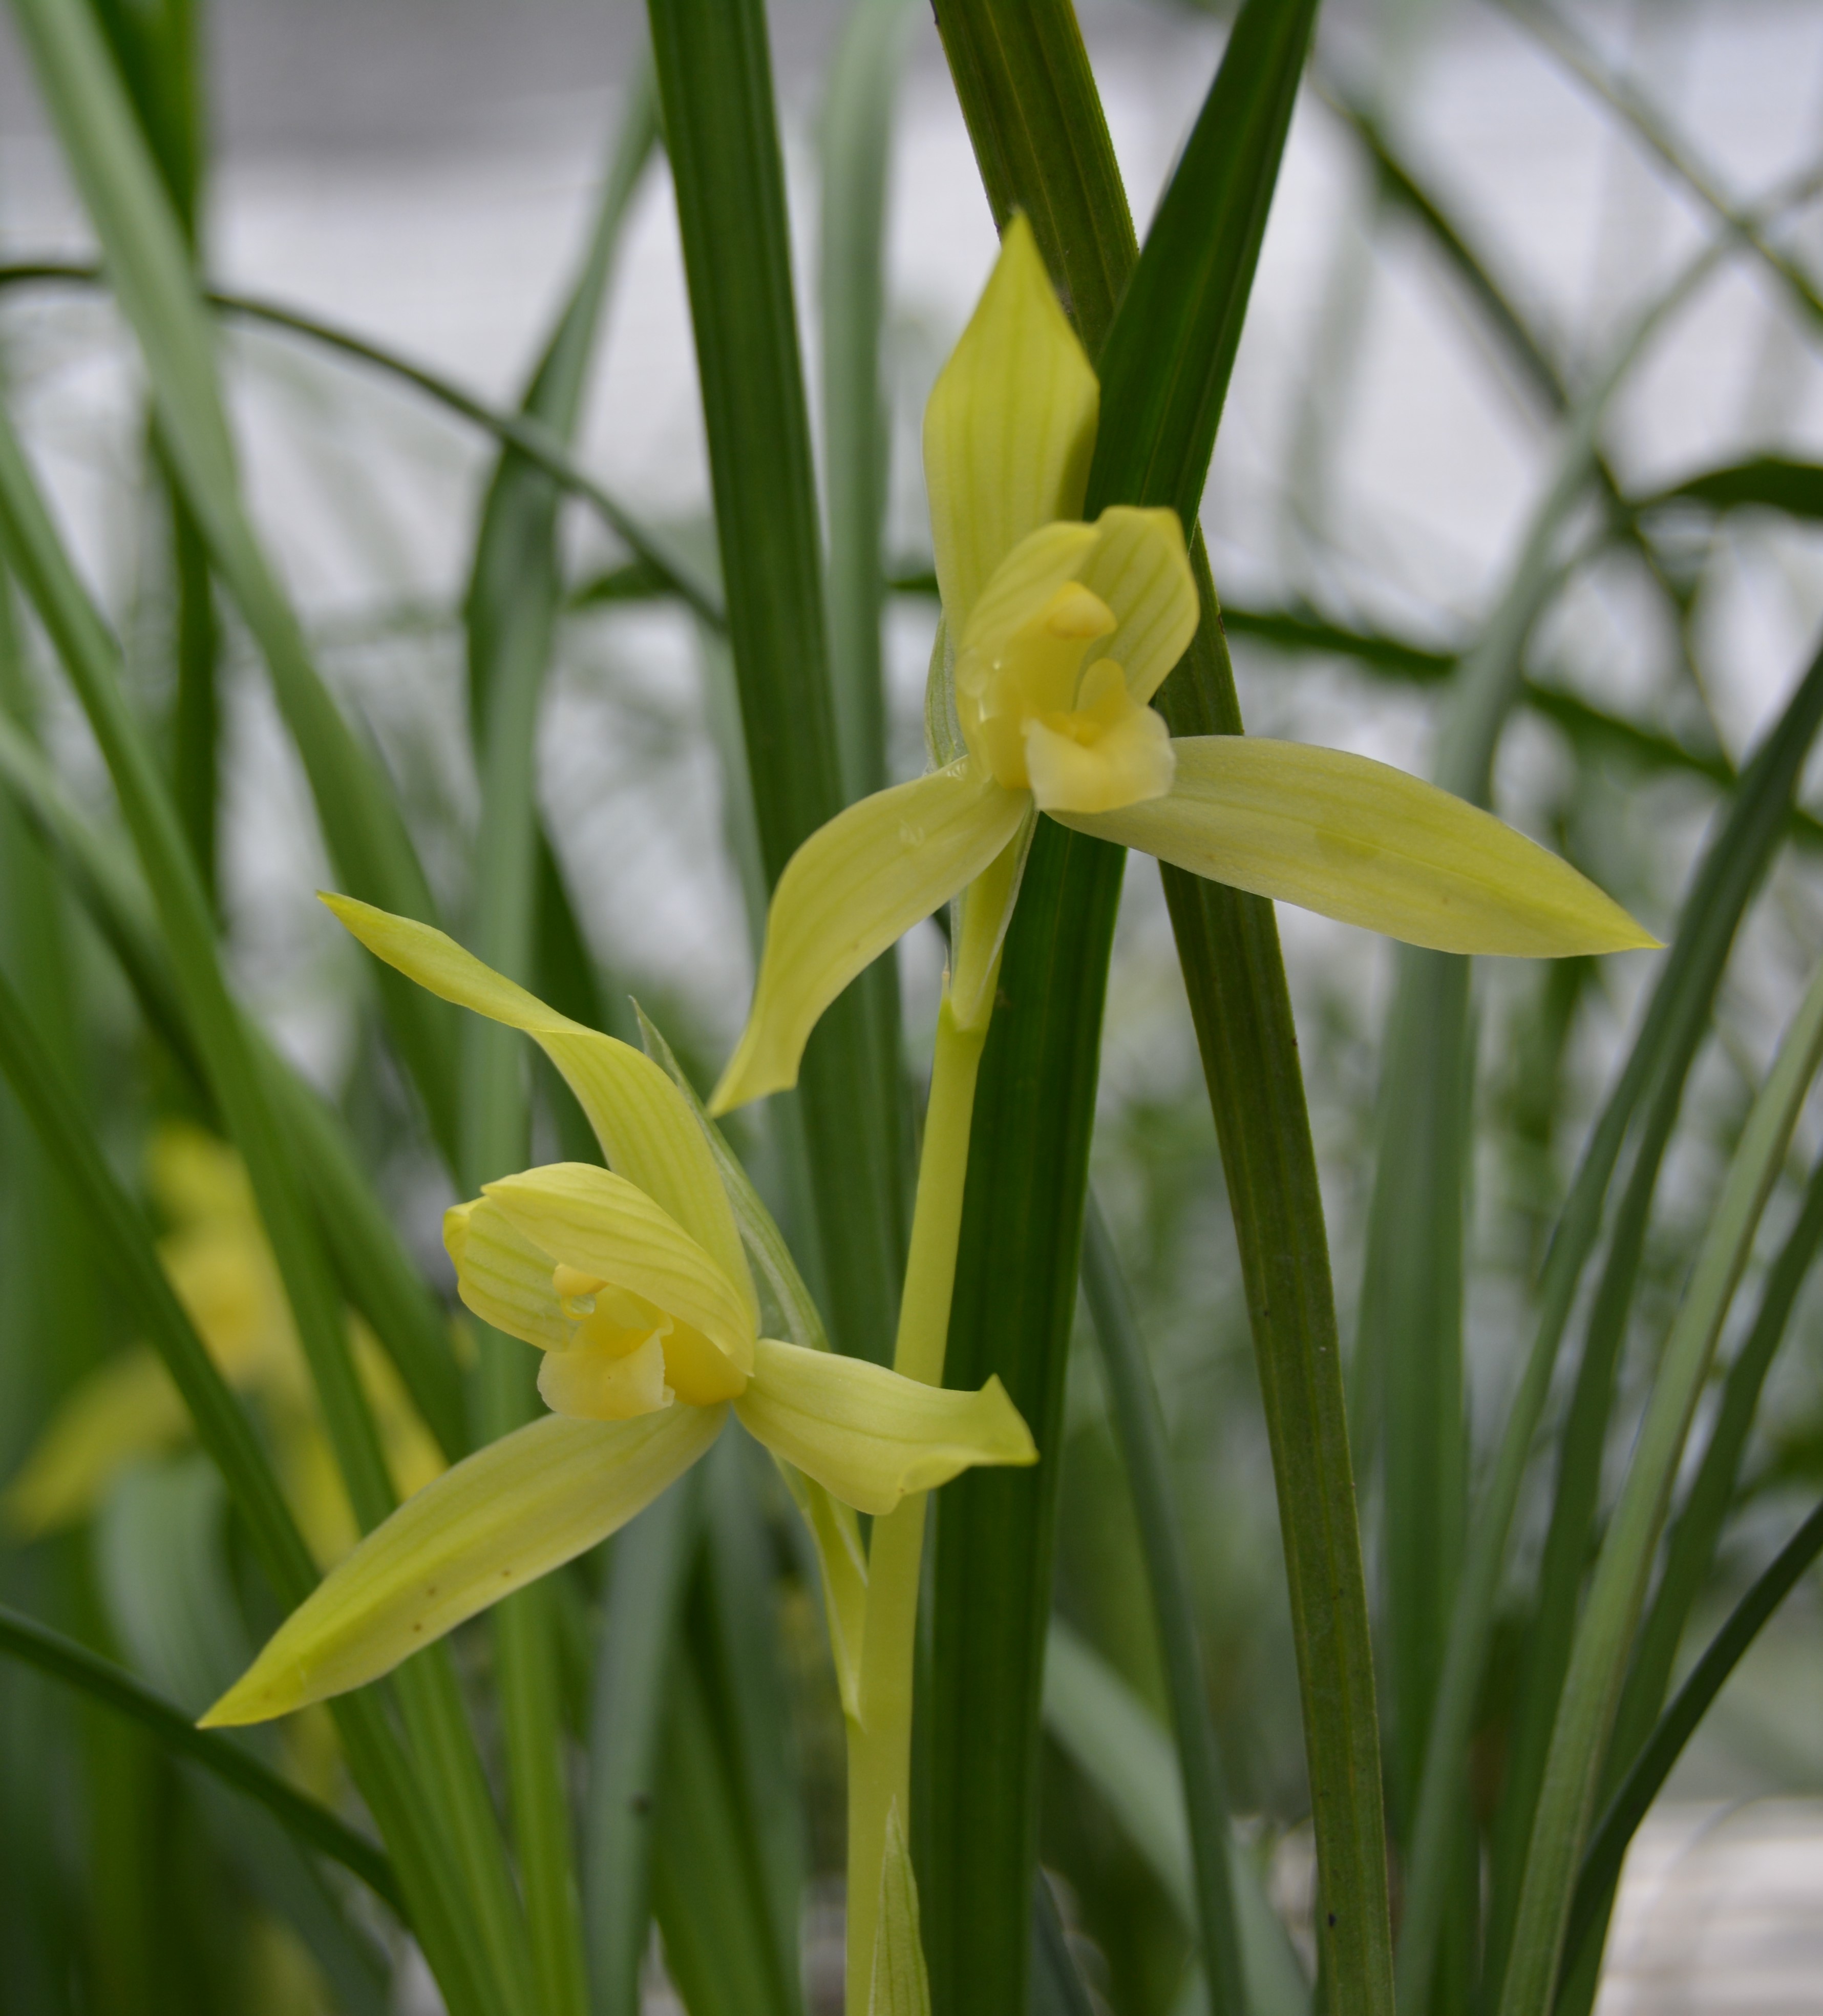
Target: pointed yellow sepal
502	1517
870	1436
853	888
1360	841
1010	426
647	1132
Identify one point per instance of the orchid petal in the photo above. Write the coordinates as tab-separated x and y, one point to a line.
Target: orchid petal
604	1226
1010	428
502	1277
498	1520
1139	567
853	887
647	1132
868	1436
1360	841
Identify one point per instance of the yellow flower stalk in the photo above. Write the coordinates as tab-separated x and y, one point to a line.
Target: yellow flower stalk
1055	636
633	1283
223	1272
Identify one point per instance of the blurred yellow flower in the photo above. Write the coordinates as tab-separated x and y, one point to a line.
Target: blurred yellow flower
222	1269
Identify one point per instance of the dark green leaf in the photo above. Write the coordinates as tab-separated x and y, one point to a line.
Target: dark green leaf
1041	142
1601	1867
1146	1454
38	1645
1771	481
715	77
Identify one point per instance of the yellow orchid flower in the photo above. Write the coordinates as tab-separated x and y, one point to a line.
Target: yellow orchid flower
634	1284
1055	635
221	1268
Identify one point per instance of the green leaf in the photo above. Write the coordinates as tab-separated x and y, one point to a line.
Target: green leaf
36	1644
1171	346
149	271
727	1842
715	79
515	594
170	1599
1139	1428
125	1243
1669	1033
1769	482
375	1271
1112	1738
857	138
1600	1874
648	1573
1041	141
219	1035
1592	1687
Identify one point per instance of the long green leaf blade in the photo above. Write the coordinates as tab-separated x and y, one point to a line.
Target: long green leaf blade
150	270
1592	1685
24	1638
1041	140
1146	1454
715	78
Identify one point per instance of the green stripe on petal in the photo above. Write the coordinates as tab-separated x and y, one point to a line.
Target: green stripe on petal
1010	428
646	1130
501	1518
1363	842
854	887
1139	567
601	1225
870	1436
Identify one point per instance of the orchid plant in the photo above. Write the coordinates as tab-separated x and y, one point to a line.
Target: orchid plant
526	1802
632	1279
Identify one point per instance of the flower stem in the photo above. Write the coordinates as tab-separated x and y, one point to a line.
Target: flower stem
880	1739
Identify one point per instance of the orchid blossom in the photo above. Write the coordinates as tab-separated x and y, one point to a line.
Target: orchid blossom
1055	635
633	1282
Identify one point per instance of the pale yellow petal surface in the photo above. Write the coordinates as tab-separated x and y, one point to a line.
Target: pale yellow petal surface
498	1520
605	1227
867	1435
127	1408
1364	843
646	1130
1139	567
1112	751
854	887
1029	576
502	1276
1010	428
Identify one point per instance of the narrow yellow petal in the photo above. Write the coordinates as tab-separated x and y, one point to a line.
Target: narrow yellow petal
1364	843
1010	428
854	886
604	1226
870	1436
127	1409
1139	567
498	1520
646	1130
